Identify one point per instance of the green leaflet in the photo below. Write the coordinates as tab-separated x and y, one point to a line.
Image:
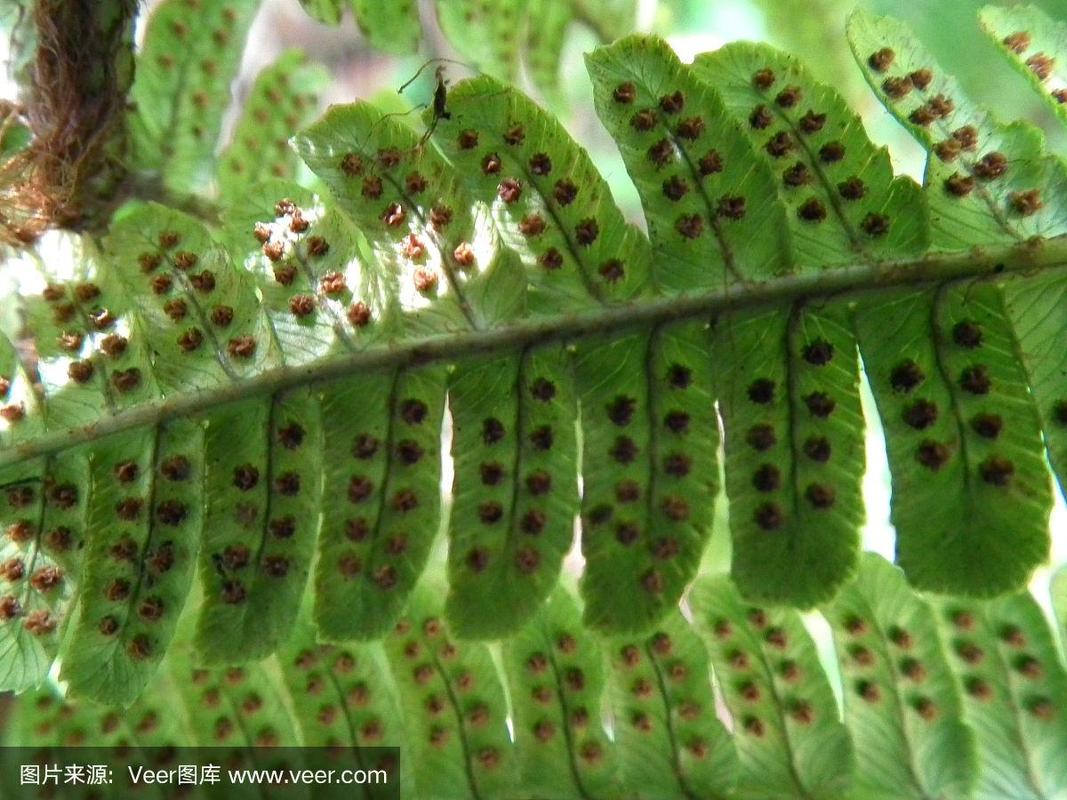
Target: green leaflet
263	497
382	438
971	495
441	261
184	72
987	182
145	517
842	199
794	450
556	680
789	738
235	709
200	312
1014	690
283	99
1036	308
711	207
342	697
1035	44
515	491
40	562
672	745
453	703
547	199
902	704
649	471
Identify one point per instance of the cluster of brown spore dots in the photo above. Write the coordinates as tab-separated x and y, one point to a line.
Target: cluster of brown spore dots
1014	655
761	437
911	670
644	666
961	144
556	671
184	291
781	143
450	694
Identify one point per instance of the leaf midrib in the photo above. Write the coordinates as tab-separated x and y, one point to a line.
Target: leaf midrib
927	272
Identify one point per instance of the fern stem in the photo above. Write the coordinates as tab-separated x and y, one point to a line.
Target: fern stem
932	270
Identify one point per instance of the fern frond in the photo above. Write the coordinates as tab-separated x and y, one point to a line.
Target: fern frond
1013	687
902	704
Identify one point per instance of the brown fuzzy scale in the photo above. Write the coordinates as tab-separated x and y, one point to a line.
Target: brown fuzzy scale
129	509
1018	42
533	522
222	316
812	122
71	341
767	478
779	145
875	225
975	380
948	150
710	163
624	93
690	128
440	217
932	455
896	88
46	579
991	166
920	415
80	371
101	320
302	305
243	347
1060	96
996	471
921	78
796	175
171	512
41	623
612	270
675	508
852	189
820	495
415	183
768	516
959	185
881	60
789	96
359	314
675	188
564	192
352	165
539	483
760	118
510	190
1041	65
644	120
515	135
1026	203
761	437
831	152
371	188
906	377
691	226
820	404
543	390
114	345
540	164
676	422
468	139
541	438
672	103
812	210
274	251
661	153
